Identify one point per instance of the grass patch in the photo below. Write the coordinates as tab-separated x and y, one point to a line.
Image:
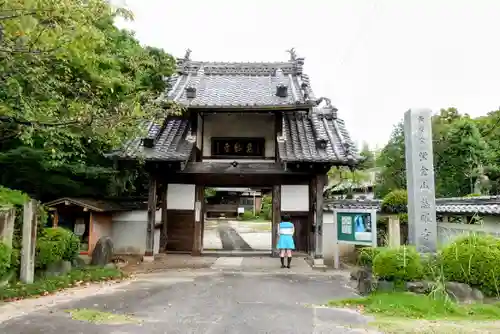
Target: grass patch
403	312
409	326
412	306
100	317
250	217
45	286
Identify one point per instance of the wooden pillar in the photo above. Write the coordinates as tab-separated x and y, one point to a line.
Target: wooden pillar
198	221
92	240
276	218
318	235
164	219
56	218
150	235
312	216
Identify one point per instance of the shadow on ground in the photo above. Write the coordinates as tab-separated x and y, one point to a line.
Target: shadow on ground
231	239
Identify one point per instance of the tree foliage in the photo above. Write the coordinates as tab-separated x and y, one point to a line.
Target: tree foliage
466	155
72	86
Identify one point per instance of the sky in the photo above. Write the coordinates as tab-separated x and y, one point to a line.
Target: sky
374	59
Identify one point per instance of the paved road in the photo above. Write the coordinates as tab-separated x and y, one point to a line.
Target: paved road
236	299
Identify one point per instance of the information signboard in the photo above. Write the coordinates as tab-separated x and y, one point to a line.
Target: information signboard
355	227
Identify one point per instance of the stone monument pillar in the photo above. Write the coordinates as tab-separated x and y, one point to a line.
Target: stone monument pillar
422	225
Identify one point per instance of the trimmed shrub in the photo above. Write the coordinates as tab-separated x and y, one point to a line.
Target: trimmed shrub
56	244
5	253
73	247
473	259
267	207
399	264
395	202
367	254
247	215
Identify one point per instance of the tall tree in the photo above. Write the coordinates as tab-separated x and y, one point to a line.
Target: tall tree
368	157
462	160
72	86
391	161
461	156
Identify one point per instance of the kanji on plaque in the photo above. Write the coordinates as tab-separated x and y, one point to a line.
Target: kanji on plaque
424	203
423	156
424	185
425	234
425	217
424	171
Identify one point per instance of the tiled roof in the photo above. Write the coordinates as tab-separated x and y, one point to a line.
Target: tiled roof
488	205
172	141
99	205
240	85
316	136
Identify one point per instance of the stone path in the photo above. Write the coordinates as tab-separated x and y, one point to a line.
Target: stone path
232	235
235	295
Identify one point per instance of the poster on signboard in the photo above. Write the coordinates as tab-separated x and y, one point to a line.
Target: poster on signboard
355	227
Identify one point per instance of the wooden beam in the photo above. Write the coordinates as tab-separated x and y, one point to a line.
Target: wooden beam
164	219
231	167
276	218
150	236
198	221
242	180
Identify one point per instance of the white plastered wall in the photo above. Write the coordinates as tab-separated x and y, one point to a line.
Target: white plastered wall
181	196
329	237
129	232
294	198
239	125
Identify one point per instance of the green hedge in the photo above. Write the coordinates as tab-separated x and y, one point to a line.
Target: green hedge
367	255
474	260
56	244
398	264
10	198
5	255
395	202
267	207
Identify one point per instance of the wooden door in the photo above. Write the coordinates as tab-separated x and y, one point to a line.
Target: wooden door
301	236
180	230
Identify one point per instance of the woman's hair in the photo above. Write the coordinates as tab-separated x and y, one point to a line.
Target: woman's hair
285	218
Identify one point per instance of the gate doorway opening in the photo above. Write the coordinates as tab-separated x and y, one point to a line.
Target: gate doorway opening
237	220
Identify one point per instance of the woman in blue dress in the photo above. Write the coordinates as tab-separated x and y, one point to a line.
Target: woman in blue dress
285	240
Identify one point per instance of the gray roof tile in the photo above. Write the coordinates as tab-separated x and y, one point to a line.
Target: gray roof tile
315	135
239	84
303	133
488	205
173	141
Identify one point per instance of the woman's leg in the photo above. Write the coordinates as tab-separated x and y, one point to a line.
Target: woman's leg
289	255
282	258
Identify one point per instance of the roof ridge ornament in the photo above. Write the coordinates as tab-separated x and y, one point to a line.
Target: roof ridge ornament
187	55
293	54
